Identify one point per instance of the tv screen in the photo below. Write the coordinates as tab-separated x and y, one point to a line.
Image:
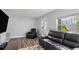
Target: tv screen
3	21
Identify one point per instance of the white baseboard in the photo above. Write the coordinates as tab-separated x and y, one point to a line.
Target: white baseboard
16	37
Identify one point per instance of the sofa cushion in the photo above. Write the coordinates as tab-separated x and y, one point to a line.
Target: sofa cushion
59	34
59	40
55	39
51	33
56	36
56	45
72	37
50	37
70	44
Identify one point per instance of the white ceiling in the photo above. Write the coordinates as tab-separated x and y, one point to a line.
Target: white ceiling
30	13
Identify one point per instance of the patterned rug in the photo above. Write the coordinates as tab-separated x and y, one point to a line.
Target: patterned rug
23	43
35	47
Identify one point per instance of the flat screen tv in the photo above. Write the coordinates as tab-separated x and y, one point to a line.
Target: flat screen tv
3	21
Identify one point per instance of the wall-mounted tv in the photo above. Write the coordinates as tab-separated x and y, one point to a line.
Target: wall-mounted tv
3	21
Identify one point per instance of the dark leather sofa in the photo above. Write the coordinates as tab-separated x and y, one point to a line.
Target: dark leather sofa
60	41
3	46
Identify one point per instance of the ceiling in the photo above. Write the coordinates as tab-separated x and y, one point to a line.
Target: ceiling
30	13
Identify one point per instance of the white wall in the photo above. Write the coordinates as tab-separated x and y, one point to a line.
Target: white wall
51	17
18	26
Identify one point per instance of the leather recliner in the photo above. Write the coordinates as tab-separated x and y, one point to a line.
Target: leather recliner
31	34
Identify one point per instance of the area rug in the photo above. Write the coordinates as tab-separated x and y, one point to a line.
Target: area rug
23	43
35	47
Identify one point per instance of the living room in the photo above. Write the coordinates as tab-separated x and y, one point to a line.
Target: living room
21	21
39	29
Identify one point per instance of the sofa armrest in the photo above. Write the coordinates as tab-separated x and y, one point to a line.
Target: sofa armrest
2	46
45	37
76	48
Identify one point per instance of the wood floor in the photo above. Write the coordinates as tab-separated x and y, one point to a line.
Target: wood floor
18	43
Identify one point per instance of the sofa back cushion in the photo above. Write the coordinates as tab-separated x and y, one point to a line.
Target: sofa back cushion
70	44
72	37
51	33
56	36
59	34
59	40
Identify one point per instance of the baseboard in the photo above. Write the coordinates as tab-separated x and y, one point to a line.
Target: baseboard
16	37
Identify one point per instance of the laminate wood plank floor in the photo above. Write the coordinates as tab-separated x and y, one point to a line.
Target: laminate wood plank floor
18	43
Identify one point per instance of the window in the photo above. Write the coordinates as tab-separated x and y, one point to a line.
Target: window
67	24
